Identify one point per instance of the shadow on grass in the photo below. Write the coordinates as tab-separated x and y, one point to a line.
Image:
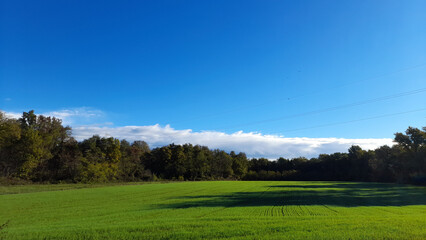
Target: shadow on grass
333	194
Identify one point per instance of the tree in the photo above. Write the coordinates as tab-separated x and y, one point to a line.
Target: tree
67	163
41	138
221	165
157	160
412	154
385	165
131	167
259	164
412	140
197	162
31	151
101	157
10	134
175	168
239	164
283	164
359	166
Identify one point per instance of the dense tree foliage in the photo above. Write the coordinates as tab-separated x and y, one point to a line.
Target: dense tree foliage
40	149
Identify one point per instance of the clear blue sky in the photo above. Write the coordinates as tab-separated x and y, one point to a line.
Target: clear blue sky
219	65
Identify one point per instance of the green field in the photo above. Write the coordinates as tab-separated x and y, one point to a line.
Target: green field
211	210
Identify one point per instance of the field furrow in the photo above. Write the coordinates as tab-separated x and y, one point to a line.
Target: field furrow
217	210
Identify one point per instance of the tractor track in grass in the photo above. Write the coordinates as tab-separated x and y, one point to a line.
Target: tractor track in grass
235	204
293	207
277	206
388	211
160	213
329	208
174	209
219	210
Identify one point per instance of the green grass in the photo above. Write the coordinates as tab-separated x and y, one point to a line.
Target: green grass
212	210
13	189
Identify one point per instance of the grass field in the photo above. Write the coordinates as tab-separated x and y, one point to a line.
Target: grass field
212	210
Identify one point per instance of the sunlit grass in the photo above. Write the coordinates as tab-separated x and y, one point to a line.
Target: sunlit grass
211	210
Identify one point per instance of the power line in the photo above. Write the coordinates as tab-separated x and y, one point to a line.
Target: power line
357	120
398	95
363	80
290	98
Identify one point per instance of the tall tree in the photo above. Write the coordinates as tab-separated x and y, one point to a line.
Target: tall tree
221	165
412	154
10	134
101	157
41	138
239	164
131	167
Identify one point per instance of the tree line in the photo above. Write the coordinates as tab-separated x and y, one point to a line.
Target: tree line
40	149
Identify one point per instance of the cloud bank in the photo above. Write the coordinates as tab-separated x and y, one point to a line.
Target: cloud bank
71	116
253	144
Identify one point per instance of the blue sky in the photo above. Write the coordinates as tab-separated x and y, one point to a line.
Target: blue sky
218	66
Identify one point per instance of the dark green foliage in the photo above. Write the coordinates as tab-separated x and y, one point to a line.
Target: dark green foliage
29	144
67	163
221	164
403	162
190	162
130	166
239	164
37	148
101	157
10	134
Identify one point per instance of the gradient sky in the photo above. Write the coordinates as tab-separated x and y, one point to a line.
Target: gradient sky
270	67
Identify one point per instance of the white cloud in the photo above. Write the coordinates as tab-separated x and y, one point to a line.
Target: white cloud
13	115
253	144
71	116
76	115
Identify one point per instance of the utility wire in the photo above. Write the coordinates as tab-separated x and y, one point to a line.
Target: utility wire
357	120
398	95
290	98
362	80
